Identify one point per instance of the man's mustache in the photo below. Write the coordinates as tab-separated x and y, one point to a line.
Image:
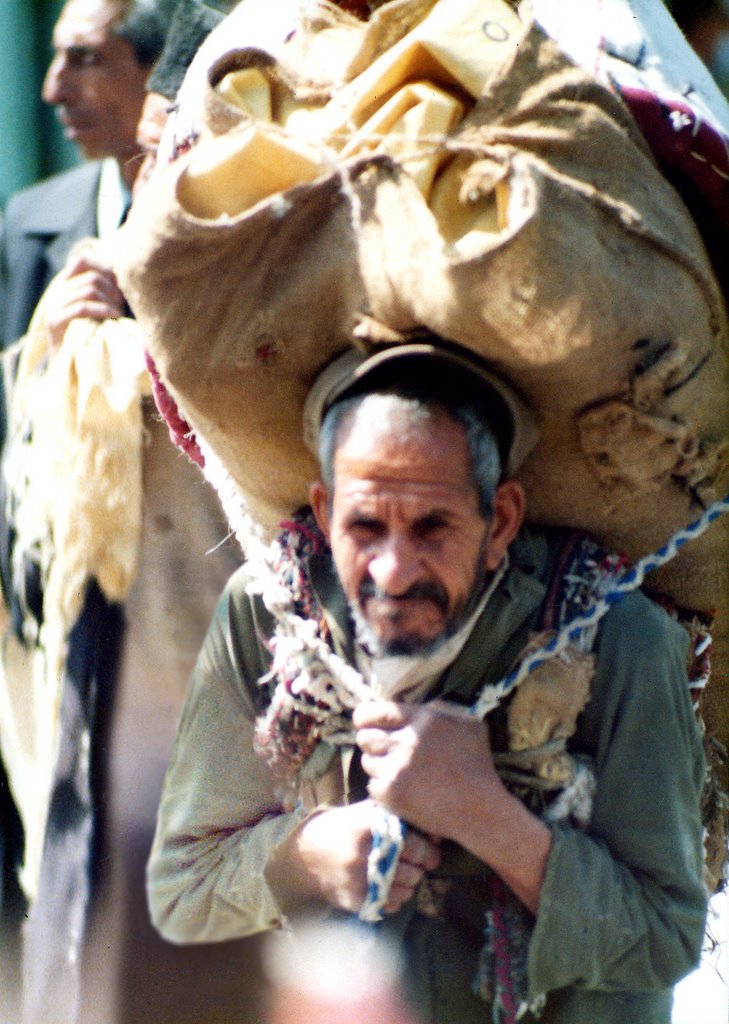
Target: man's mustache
426	590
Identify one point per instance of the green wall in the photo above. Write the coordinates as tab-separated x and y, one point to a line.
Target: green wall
32	144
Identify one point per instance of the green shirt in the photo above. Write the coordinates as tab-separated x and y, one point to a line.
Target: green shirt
622	911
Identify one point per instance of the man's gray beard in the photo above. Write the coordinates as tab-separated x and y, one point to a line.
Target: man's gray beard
399	647
413	646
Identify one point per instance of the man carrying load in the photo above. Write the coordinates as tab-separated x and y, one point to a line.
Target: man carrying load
416	573
362	733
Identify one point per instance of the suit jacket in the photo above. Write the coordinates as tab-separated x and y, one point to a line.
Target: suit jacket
41	224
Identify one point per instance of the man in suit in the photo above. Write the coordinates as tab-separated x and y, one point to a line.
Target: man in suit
104	51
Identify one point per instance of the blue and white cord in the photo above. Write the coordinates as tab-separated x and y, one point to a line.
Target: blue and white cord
387	842
630	580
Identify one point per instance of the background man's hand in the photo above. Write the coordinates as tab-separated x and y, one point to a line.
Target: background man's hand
86	287
328	859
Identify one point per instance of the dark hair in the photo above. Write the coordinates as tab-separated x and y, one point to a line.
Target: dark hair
143	24
191	23
444	387
688	13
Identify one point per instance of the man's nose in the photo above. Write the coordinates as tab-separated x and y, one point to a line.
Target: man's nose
56	83
395	566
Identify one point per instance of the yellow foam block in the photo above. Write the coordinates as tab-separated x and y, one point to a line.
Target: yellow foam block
458	45
410	127
469	41
239	170
464	219
249	90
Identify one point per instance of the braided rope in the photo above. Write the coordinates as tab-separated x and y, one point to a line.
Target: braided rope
387	842
628	581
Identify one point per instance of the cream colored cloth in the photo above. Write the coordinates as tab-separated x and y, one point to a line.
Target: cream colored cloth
73	480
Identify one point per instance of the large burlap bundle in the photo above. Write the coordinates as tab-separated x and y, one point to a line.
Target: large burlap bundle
264	320
492	192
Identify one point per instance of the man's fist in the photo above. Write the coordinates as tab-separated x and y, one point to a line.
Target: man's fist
328	858
423	760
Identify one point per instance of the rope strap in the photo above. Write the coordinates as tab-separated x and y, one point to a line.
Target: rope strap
631	579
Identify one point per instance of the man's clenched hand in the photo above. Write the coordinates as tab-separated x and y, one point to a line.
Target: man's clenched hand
327	859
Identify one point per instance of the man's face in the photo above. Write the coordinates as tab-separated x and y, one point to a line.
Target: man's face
410	545
150	129
94	81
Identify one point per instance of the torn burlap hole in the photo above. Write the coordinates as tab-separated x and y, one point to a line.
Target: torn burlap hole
643	440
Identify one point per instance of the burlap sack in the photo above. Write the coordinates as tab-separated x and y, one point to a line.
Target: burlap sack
592	292
256	305
595	296
540	234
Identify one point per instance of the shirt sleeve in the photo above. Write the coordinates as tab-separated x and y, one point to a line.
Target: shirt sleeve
205	876
623	905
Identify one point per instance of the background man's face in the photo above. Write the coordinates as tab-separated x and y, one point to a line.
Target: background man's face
94	80
409	542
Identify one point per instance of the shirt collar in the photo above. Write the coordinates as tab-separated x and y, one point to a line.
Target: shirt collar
112	199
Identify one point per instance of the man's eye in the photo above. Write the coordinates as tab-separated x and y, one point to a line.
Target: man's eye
82	57
429	525
364	526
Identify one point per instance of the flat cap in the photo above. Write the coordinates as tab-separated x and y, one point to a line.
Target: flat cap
356	372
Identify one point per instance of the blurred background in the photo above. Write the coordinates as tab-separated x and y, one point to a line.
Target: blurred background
33	143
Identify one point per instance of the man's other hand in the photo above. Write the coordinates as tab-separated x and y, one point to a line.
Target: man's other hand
420	759
327	859
431	764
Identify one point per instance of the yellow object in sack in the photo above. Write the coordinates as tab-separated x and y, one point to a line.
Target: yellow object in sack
410	128
458	46
249	89
236	172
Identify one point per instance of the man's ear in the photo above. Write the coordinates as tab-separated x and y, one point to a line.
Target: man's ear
319	501
507	516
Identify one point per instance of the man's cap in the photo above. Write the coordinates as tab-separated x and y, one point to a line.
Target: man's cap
191	24
356	372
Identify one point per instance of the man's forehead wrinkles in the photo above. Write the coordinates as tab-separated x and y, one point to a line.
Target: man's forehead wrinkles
388	489
412	506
